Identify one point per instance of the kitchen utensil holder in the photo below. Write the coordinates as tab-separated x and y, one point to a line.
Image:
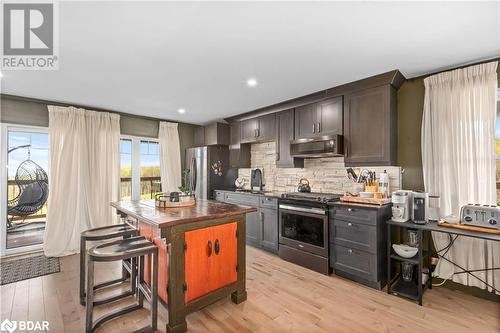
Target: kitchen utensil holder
371	188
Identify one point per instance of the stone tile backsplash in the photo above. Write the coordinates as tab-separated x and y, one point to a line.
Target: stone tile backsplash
324	174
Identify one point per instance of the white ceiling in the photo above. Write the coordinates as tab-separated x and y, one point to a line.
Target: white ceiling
153	58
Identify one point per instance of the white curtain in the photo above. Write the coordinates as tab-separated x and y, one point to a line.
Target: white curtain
84	175
458	157
170	157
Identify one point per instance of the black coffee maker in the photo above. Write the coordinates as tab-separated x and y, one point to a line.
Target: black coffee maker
256	180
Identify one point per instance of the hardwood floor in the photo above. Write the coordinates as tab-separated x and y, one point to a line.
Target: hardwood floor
282	297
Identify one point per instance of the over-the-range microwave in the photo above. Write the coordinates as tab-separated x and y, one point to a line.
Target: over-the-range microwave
323	146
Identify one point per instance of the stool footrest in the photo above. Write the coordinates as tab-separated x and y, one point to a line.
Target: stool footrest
100	286
113	298
145	291
127	265
109	283
115	314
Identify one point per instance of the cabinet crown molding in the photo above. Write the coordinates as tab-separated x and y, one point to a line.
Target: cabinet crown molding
394	78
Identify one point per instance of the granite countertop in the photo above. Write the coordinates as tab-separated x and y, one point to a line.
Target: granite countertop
204	210
274	194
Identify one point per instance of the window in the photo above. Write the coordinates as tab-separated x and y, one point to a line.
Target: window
139	168
150	169
27	187
125	169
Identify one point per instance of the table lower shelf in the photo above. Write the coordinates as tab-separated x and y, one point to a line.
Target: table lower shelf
407	289
413	260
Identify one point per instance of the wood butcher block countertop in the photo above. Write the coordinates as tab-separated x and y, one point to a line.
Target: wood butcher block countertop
204	210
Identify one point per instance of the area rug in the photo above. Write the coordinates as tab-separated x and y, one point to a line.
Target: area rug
27	268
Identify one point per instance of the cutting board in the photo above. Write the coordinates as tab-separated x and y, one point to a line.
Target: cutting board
468	227
366	201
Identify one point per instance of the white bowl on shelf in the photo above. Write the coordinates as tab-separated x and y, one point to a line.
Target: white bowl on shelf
405	251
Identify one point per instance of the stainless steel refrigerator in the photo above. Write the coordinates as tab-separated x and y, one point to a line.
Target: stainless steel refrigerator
209	170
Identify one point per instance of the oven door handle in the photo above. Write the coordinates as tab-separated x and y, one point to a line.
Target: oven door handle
304	210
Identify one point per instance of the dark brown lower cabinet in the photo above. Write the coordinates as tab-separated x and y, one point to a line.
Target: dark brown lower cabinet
358	249
253	229
262	225
269	225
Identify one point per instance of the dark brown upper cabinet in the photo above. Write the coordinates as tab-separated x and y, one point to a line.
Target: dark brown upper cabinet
249	130
305	121
284	134
258	129
213	134
318	119
267	127
330	116
239	154
217	134
370	127
199	136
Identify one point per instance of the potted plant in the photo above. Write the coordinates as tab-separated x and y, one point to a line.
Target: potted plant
185	193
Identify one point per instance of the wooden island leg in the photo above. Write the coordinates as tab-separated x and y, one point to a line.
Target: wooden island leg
176	304
240	295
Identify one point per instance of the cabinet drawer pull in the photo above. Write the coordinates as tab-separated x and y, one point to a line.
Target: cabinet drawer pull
209	248
314	127
217	247
349	224
319	127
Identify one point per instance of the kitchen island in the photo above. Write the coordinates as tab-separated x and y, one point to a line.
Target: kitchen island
201	253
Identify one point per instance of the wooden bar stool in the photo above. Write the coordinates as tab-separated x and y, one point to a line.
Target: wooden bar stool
106	233
133	249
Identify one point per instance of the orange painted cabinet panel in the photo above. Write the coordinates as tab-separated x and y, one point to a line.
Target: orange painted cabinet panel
196	262
162	268
223	265
210	259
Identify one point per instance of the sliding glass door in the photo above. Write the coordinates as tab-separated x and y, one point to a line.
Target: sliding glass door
139	168
25	187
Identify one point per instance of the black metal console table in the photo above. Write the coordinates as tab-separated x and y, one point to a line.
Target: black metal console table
413	290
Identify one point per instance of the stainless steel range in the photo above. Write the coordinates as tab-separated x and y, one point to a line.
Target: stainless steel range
303	229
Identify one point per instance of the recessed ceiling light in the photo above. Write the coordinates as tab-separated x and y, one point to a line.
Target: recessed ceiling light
252	82
181	111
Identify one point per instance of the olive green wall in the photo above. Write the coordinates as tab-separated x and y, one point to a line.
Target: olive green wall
24	111
410	110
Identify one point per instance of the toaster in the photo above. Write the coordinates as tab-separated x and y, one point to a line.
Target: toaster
480	216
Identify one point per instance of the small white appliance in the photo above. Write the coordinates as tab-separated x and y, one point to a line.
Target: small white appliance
401	205
420	211
480	216
434	205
